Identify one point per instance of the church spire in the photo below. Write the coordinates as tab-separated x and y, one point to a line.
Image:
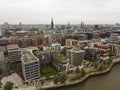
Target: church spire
68	24
82	24
52	24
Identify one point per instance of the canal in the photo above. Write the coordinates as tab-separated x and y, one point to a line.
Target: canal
109	81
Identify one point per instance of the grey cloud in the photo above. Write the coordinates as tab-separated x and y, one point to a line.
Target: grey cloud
40	11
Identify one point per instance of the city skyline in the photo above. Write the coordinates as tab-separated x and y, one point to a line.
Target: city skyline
62	11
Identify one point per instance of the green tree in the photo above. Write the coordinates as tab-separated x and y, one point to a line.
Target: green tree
77	71
96	66
1	70
55	79
110	60
63	78
0	84
8	86
42	82
83	72
60	78
100	68
63	51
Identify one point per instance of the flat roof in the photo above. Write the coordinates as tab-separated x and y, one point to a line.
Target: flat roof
12	46
60	56
32	48
76	50
28	56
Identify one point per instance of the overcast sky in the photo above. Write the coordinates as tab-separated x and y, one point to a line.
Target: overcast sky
62	11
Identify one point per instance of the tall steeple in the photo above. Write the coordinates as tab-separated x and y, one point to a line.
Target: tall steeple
68	25
82	25
52	24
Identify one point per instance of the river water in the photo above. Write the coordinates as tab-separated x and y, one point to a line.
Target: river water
109	81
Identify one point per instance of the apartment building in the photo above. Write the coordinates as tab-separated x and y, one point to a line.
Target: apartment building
14	53
114	50
55	46
60	62
71	42
30	66
76	56
45	57
104	50
92	54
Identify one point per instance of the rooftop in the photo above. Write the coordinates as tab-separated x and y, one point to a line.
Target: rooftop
76	50
12	46
28	57
60	56
40	52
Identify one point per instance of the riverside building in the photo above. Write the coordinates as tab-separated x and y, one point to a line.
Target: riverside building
30	66
76	56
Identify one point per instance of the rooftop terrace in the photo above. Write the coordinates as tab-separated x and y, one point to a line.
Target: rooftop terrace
40	52
28	57
60	56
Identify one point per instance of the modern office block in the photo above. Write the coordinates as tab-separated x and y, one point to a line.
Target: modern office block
30	66
76	56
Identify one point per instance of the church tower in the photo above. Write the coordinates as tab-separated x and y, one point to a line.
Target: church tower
68	25
52	24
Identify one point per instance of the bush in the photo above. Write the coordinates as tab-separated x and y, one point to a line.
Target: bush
42	82
1	70
96	66
8	86
83	72
77	71
100	68
0	84
78	76
60	78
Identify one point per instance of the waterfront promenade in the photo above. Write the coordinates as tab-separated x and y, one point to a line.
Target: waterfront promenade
68	83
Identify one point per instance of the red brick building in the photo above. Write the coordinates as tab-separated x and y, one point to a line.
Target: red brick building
24	44
104	50
34	42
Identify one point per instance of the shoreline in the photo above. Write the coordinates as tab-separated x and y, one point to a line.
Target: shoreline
82	79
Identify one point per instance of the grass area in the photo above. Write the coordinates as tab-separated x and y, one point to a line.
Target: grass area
47	71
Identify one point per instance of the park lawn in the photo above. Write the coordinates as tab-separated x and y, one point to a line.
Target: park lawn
47	71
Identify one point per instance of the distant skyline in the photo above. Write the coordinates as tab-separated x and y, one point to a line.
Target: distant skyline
62	11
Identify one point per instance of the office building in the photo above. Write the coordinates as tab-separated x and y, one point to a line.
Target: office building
71	42
60	62
45	57
114	50
53	47
76	56
14	53
30	66
92	54
104	50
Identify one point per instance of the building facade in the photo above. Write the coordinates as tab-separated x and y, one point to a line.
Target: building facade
60	62
76	56
92	54
45	57
104	50
14	53
71	42
30	66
